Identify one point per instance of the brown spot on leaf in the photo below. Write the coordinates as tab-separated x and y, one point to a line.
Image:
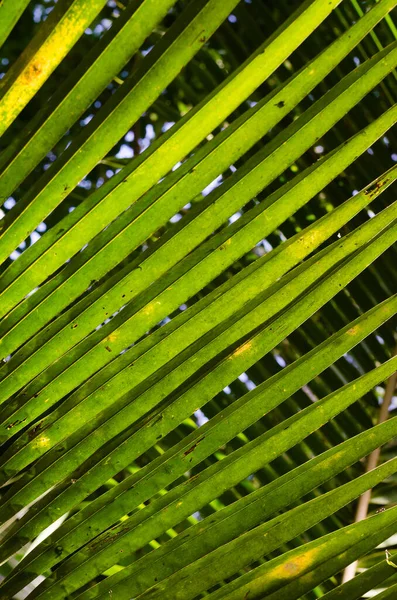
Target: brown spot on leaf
104	541
192	478
32	433
159	418
32	72
193	447
374	187
295	566
353	330
15	423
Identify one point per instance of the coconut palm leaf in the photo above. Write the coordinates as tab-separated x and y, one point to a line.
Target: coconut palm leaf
198	298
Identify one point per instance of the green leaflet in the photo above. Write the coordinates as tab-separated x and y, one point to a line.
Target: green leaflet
388	594
294	250
221	428
128	287
296	193
177	47
363	582
11	10
66	241
205	269
231	521
263	539
79	90
104	551
285	257
190	331
241	358
100	411
51	44
300	570
168	197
